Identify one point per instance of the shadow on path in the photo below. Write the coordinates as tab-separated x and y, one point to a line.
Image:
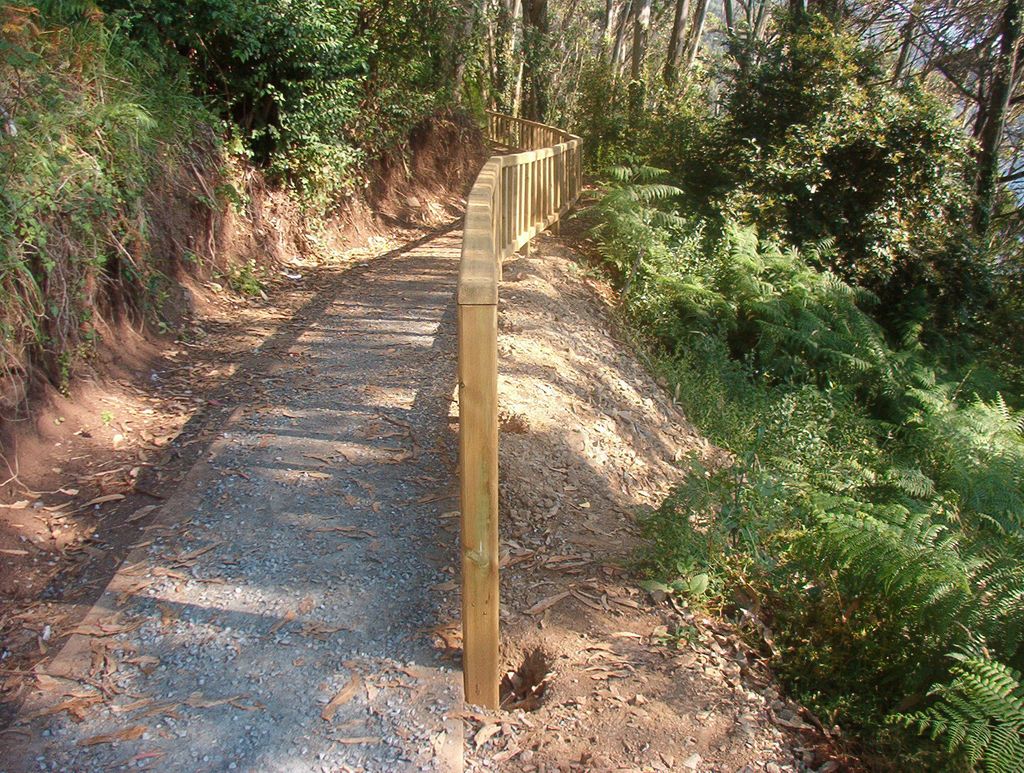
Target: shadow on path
302	553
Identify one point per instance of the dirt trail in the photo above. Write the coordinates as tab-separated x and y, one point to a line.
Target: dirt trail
279	614
293	606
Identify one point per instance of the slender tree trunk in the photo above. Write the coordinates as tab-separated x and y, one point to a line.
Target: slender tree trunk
618	50
462	56
757	34
730	19
675	42
696	32
612	9
535	41
907	34
511	58
1003	77
641	25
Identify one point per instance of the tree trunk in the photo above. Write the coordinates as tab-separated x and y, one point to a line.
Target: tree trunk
907	33
612	9
730	19
512	62
641	25
757	34
693	44
535	43
991	136
622	24
468	27
675	42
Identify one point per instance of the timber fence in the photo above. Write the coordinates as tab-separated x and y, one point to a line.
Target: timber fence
516	196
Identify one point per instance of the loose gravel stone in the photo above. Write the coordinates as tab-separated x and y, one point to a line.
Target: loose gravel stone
303	558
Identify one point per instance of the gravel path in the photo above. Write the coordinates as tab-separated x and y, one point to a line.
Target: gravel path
284	611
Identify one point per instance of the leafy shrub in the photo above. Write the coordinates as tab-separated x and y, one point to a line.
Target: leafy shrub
601	116
89	139
314	88
832	152
873	510
980	714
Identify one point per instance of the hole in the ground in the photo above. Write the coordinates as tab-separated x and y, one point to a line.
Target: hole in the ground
524	688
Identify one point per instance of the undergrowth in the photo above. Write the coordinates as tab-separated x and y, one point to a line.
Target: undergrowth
873	514
103	102
92	121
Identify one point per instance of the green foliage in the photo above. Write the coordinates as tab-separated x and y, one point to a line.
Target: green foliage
827	149
98	99
601	118
314	88
979	714
73	223
873	505
812	144
631	218
245	280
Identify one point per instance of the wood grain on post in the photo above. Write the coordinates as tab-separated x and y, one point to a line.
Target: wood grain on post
478	464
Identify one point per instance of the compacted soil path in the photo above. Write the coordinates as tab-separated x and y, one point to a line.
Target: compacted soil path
288	608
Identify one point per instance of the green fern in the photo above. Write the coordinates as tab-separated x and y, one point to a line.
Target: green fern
979	714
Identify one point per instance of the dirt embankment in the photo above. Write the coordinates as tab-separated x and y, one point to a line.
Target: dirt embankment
601	675
82	472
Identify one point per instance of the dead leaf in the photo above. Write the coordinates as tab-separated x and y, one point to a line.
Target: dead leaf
104	499
105	629
359	739
504	756
347	693
165	709
348	531
485	733
545	604
199	701
476	716
184	558
141	513
128	734
289	616
127	708
75	706
147	756
320	630
146	663
124	596
584	599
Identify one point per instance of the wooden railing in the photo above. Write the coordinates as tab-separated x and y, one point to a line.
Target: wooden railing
515	197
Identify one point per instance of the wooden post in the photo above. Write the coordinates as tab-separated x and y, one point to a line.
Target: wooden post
478	467
508	205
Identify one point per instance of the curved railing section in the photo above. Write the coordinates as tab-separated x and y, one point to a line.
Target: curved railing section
516	196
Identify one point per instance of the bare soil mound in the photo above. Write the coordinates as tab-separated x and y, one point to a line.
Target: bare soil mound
601	676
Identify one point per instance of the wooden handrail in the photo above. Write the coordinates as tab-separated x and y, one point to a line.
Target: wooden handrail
515	197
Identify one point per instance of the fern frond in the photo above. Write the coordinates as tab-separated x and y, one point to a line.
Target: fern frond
980	713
